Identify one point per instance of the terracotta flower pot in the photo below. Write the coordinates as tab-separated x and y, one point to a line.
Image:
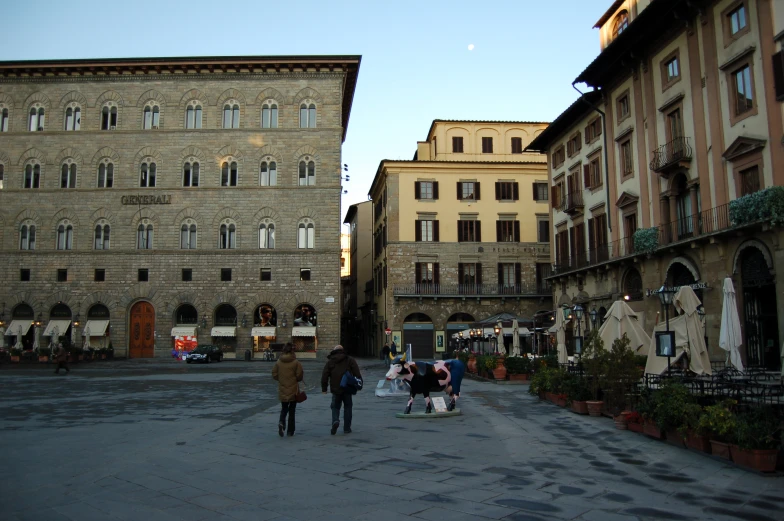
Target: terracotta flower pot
43	358
634	426
674	438
697	442
620	423
499	373
594	407
472	365
720	449
518	377
650	429
580	407
763	460
14	358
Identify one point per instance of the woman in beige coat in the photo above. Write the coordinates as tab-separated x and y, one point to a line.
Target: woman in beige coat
288	373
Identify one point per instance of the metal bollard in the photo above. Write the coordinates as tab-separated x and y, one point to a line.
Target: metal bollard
247	355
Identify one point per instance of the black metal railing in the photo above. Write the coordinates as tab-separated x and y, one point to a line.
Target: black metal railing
676	150
478	290
573	200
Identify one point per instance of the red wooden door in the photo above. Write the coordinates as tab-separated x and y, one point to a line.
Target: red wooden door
142	327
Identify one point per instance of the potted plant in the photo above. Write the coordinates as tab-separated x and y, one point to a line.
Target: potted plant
578	392
671	410
517	367
720	422
499	368
110	351
16	354
621	376
594	360
634	421
758	438
471	362
646	407
695	437
43	354
540	382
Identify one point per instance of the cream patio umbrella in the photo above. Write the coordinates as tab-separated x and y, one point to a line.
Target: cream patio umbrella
36	343
515	338
2	337
18	344
730	336
500	346
86	339
619	320
560	337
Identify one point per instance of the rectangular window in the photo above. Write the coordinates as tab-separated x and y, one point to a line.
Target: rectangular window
265	274
506	191
509	275
225	274
426	230
670	69
426	274
487	145
674	125
543	287
543	234
426	190
187	275
143	275
517	145
627	158
469	231
778	81
62	275
749	180
507	231
562	248
24	275
468	190
592	174
741	88
304	274
540	192
559	156
630	226
469	278
624	109
457	145
574	145
593	131
99	276
735	22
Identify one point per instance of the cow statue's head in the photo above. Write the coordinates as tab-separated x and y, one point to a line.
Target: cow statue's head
399	368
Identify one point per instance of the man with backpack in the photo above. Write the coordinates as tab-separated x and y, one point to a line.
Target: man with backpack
338	363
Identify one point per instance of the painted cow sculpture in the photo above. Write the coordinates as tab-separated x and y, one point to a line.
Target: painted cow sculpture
424	378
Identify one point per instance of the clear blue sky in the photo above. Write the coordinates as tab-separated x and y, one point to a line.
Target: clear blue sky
416	66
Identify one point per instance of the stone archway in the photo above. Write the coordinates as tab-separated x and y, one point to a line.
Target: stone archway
418	330
760	314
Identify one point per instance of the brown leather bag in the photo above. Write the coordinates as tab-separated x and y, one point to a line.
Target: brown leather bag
301	395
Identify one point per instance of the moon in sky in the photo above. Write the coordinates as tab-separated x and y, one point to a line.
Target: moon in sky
471	47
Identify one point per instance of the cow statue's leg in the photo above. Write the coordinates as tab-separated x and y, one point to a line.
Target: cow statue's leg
410	403
429	404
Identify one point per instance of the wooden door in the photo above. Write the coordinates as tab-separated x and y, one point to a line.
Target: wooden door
141	342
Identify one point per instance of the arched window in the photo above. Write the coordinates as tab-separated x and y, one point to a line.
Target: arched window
307	172
307	115
102	235
109	116
228	236
231	114
144	235
229	173
269	114
188	235
37	118
193	115
267	234
190	174
27	236
152	117
106	174
32	175
621	23
632	285
68	175
73	117
306	234
65	235
269	173
148	171
3	119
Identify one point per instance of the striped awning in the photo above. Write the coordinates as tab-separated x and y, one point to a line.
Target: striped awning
96	327
184	331
13	327
263	331
303	331
61	325
224	331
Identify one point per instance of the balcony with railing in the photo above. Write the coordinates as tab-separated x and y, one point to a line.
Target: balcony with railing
672	156
473	290
573	201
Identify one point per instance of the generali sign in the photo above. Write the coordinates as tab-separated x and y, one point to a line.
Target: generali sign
145	199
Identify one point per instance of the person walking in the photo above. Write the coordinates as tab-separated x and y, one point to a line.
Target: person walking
338	362
62	359
393	348
385	355
288	372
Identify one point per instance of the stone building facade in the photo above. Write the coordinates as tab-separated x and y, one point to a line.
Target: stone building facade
173	198
460	233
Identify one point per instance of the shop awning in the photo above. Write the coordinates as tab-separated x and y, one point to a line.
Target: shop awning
303	331
96	327
61	325
13	328
263	331
184	331
224	331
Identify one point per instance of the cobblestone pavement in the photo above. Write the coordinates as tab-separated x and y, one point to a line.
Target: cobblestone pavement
162	440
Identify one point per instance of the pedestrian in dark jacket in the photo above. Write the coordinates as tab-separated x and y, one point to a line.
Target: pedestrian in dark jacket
385	354
338	362
288	373
62	359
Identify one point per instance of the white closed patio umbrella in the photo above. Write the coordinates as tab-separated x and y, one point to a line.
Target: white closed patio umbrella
560	337
86	339
36	343
730	337
2	337
500	346
19	339
515	338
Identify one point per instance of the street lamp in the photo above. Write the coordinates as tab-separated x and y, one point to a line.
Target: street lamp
593	314
665	341
76	320
578	340
2	316
497	331
204	321
37	321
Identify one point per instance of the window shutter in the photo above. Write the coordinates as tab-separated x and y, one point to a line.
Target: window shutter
516	191
435	231
436	276
587	176
591	236
478	273
578	143
417	230
435	189
459	191
478	231
459	231
476	191
517	231
778	74
518	273
417	273
572	245
498	225
460	273
587	133
554	195
497	191
500	274
598	127
417	190
534	187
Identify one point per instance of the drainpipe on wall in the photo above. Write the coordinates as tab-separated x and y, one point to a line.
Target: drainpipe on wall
606	168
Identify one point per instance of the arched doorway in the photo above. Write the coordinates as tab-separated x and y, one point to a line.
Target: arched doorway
679	274
97	330
265	322
759	311
456	323
224	333
303	334
418	331
21	327
141	343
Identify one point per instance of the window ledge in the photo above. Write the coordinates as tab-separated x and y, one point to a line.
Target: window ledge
672	101
739	56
